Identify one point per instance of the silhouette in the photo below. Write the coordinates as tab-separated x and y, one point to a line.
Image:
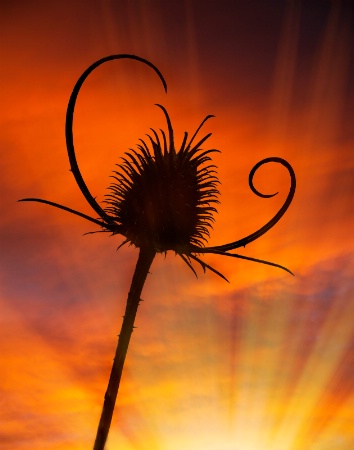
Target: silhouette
161	199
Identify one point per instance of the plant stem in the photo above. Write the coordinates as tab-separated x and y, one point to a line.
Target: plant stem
146	256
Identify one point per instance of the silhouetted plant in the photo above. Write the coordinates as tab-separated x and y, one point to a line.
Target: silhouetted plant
161	199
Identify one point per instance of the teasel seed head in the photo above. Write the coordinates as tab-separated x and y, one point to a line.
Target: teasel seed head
161	198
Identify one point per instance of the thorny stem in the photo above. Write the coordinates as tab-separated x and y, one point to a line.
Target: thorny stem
146	256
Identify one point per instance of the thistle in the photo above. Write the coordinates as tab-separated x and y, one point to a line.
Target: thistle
161	199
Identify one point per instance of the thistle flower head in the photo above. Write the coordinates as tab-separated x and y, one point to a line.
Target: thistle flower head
161	198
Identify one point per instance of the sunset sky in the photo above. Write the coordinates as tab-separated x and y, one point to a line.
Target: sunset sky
264	362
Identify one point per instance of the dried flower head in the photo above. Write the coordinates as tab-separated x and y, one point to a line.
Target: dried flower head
163	198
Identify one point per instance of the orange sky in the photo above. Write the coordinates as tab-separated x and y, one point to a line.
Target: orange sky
262	363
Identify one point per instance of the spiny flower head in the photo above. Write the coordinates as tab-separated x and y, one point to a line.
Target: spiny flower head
162	198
